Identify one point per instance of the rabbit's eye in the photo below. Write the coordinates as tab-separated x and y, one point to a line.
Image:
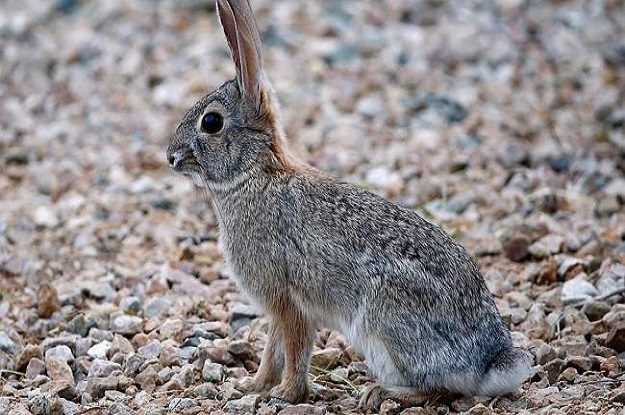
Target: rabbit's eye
212	123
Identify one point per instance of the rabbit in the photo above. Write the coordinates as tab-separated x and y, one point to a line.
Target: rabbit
314	251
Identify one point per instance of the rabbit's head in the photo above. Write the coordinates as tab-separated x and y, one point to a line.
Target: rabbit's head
233	132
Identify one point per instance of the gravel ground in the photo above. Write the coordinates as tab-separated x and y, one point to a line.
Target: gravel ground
501	121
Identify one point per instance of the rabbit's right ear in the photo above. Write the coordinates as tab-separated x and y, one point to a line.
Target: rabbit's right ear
243	38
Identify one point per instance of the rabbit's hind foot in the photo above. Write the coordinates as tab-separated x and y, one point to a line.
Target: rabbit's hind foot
292	392
375	394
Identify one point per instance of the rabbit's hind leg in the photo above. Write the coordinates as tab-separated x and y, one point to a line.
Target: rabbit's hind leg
271	364
406	396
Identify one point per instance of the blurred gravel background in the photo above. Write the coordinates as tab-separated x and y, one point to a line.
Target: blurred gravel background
503	121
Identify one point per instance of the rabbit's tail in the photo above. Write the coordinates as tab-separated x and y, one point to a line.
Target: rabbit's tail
506	372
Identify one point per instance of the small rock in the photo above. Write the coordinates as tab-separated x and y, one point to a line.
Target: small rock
172	329
242	350
118	408
616	337
568	264
45	217
58	369
612	365
47	300
120	344
35	367
79	325
45	404
569	375
326	359
69	407
101	290
147	379
305	409
130	305
29	352
581	363
595	310
156	306
546	246
553	369
170	356
206	390
7	344
544	354
99	350
578	289
245	405
101	368
165	374
515	247
151	350
61	352
244	311
178	404
127	325
212	372
489	246
185	377
97	386
219	354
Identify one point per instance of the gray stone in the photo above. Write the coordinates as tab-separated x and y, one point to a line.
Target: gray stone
212	372
101	290
35	367
156	306
97	386
578	289
178	404
308	409
151	350
126	325
61	352
99	350
101	368
245	405
7	344
130	305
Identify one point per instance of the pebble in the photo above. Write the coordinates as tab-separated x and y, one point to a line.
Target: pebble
151	350
212	372
156	306
515	246
97	386
58	369
101	290
101	368
130	305
307	409
45	217
578	289
326	359
35	367
61	352
99	350
616	337
179	404
126	325
47	300
246	404
7	344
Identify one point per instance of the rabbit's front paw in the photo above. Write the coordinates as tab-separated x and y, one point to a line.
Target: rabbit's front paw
253	384
290	392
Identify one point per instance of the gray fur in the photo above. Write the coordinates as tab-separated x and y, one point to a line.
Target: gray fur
400	289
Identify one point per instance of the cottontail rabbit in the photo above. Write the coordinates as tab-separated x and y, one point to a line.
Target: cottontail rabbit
312	250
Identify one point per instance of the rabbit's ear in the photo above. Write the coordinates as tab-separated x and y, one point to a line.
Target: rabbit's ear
243	39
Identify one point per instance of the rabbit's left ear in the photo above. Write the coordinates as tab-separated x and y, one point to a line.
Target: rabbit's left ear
239	24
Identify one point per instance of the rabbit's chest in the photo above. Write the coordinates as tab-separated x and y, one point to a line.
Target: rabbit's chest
251	252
